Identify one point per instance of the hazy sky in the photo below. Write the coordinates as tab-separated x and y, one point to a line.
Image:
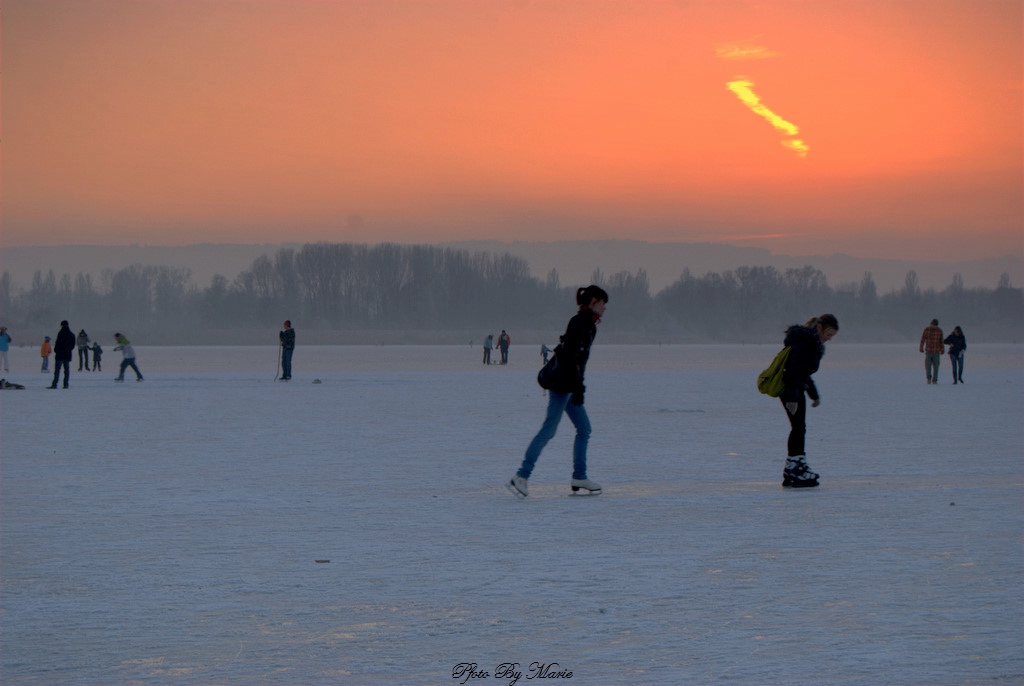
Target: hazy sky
871	127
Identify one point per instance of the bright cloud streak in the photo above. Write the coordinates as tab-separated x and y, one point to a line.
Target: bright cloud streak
744	50
743	90
797	146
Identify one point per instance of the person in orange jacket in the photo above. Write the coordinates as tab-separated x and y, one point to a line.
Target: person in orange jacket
44	351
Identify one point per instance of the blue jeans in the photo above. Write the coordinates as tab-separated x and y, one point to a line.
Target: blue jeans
557	404
957	361
129	362
286	362
57	364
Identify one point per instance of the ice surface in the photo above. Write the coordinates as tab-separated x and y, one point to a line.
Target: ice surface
168	532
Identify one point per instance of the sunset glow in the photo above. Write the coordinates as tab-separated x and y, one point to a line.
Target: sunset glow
867	127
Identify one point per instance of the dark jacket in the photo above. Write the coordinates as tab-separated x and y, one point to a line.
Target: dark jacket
805	351
957	343
574	351
288	339
64	346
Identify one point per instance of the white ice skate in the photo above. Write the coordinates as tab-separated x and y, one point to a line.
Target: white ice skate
587	487
518	486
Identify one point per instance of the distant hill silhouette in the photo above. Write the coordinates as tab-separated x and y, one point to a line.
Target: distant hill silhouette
575	261
664	262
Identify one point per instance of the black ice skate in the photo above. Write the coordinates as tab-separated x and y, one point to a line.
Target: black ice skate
797	474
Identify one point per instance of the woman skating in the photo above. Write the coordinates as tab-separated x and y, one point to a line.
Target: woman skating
565	394
806	346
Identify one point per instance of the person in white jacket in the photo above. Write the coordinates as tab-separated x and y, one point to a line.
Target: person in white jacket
129	357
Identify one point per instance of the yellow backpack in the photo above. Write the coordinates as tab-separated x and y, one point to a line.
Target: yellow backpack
770	380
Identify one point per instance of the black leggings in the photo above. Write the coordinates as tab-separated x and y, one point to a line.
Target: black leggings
798	426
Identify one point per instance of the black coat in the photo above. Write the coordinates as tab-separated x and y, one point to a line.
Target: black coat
287	339
64	346
957	344
574	351
805	351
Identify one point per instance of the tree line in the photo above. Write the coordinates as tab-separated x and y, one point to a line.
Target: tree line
389	292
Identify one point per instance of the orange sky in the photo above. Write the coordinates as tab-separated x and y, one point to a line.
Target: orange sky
253	121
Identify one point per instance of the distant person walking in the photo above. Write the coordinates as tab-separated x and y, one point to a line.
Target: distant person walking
932	347
83	350
287	338
544	352
488	345
503	342
565	394
5	345
44	352
97	356
957	343
63	351
129	357
806	347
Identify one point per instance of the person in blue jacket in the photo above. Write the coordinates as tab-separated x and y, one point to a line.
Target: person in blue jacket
5	345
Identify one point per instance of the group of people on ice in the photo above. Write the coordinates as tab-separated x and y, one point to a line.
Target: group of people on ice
503	343
563	374
63	349
933	346
563	377
85	346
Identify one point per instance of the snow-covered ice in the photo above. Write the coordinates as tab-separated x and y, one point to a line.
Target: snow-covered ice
175	531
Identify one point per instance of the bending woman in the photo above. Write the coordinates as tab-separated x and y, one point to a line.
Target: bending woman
806	347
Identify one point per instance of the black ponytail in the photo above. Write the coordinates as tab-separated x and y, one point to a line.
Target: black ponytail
587	293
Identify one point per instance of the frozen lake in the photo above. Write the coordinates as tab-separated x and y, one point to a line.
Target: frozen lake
178	531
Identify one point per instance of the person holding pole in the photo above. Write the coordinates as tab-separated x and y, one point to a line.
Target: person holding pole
287	338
